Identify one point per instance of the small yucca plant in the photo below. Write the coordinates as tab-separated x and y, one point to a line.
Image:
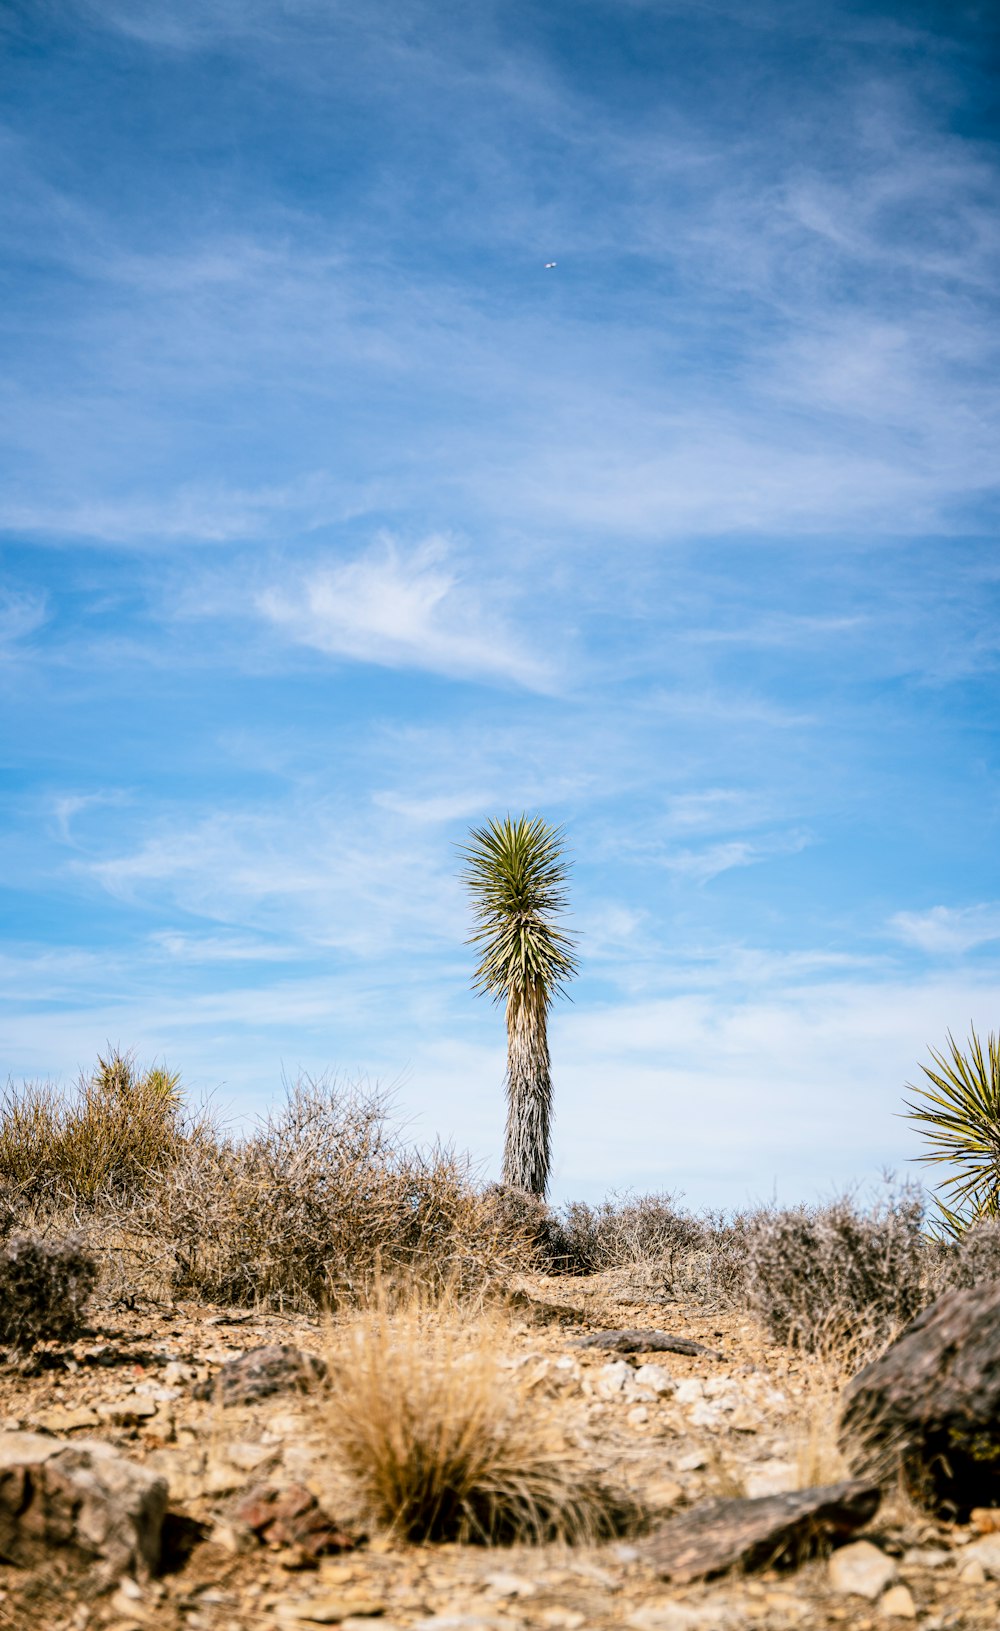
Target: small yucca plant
959	1112
516	873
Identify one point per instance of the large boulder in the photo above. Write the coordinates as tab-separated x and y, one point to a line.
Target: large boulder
930	1405
84	1499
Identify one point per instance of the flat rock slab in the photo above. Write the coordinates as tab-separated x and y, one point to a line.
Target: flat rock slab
638	1342
81	1497
722	1534
931	1405
260	1372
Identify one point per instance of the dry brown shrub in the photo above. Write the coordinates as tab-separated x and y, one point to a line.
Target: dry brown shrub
319	1201
447	1442
840	1275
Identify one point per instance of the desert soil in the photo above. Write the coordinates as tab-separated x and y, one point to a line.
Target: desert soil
755	1421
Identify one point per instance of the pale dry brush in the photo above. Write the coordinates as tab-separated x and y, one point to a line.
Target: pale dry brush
445	1441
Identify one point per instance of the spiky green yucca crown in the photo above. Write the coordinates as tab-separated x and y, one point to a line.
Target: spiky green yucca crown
516	872
960	1114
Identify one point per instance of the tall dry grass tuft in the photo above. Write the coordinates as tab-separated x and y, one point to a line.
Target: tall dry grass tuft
447	1443
107	1140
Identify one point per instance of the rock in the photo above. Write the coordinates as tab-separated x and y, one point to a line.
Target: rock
926	1557
510	1585
720	1533
291	1517
986	1519
772	1477
972	1573
84	1498
653	1377
690	1391
861	1570
128	1412
331	1610
260	1372
638	1416
898	1604
931	1405
694	1461
637	1342
610	1379
664	1614
60	1419
986	1552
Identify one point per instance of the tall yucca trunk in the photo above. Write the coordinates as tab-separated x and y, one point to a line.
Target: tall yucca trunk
529	1094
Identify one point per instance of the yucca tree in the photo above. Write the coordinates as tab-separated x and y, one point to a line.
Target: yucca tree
516	872
960	1113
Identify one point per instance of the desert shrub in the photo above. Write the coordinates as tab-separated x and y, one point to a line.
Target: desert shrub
816	1274
319	1202
974	1257
628	1232
44	1286
446	1442
121	1126
520	1215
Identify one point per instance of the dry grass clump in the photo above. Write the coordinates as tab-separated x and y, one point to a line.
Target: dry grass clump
44	1287
447	1443
816	1276
109	1138
320	1200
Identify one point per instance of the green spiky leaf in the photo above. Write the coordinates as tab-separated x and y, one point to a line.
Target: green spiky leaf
516	872
958	1110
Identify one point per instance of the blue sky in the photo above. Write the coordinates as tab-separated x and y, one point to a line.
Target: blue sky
333	522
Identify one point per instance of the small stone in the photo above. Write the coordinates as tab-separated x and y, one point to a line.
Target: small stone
249	1456
898	1604
861	1570
664	1492
653	1377
638	1416
665	1614
987	1553
562	1619
510	1585
610	1379
972	1573
690	1390
331	1610
233	1537
60	1419
292	1517
127	1412
175	1373
926	1557
770	1477
985	1519
694	1461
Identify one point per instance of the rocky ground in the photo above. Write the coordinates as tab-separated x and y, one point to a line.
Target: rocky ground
674	1429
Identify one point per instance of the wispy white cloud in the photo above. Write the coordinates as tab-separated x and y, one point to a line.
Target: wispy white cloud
403	608
949	930
702	865
21	615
